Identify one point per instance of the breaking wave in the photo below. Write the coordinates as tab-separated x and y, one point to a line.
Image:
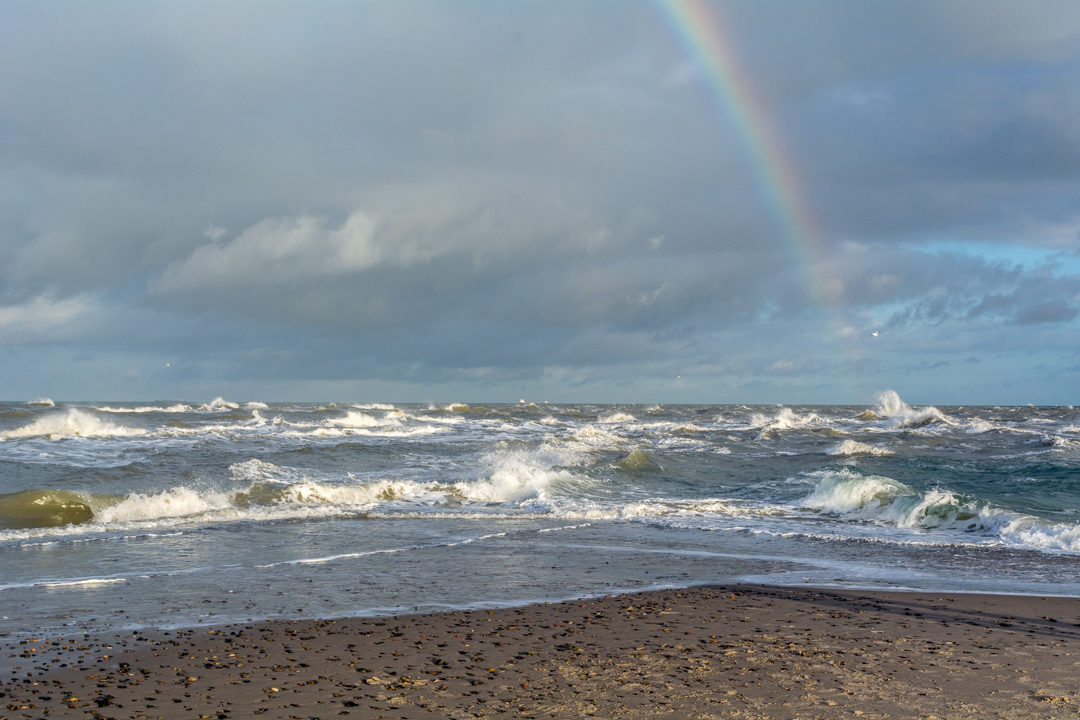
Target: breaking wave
902	415
874	498
268	492
523	478
854	447
219	404
638	461
176	408
356	419
785	419
71	424
616	417
43	508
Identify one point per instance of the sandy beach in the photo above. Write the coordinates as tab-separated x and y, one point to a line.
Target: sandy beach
710	652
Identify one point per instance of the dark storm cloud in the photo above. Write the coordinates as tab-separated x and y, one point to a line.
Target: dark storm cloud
481	196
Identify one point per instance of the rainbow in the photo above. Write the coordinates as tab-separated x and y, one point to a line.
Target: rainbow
700	28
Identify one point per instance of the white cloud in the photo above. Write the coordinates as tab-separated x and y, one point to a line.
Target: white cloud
293	247
862	99
41	318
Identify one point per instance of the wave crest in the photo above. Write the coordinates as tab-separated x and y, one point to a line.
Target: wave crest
616	417
854	447
874	498
516	477
70	424
176	408
882	499
43	508
903	415
219	404
785	419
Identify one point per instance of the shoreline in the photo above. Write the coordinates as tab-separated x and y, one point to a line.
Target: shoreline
745	651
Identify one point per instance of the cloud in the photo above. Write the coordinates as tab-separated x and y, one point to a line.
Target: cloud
432	193
43	318
297	249
1052	311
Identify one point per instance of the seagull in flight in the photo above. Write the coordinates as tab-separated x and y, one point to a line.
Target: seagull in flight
876	333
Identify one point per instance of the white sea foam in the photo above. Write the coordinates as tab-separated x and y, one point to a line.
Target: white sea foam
616	417
576	526
42	402
591	437
70	424
340	556
219	404
785	419
732	507
256	469
1060	443
469	541
903	415
354	497
177	502
355	419
272	493
374	431
847	492
1030	532
887	501
514	478
84	583
381	551
175	408
854	447
438	419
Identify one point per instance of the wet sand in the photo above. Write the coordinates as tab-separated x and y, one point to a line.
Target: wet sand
713	652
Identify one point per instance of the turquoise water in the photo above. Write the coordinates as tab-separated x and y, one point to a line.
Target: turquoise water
180	514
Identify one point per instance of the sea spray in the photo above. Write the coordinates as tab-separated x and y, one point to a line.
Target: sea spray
902	415
515	477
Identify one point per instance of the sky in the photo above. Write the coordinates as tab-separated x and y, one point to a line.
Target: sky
665	201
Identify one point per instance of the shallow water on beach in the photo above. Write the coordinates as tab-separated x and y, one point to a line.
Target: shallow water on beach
177	514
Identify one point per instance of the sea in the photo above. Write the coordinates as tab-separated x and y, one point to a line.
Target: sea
125	516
